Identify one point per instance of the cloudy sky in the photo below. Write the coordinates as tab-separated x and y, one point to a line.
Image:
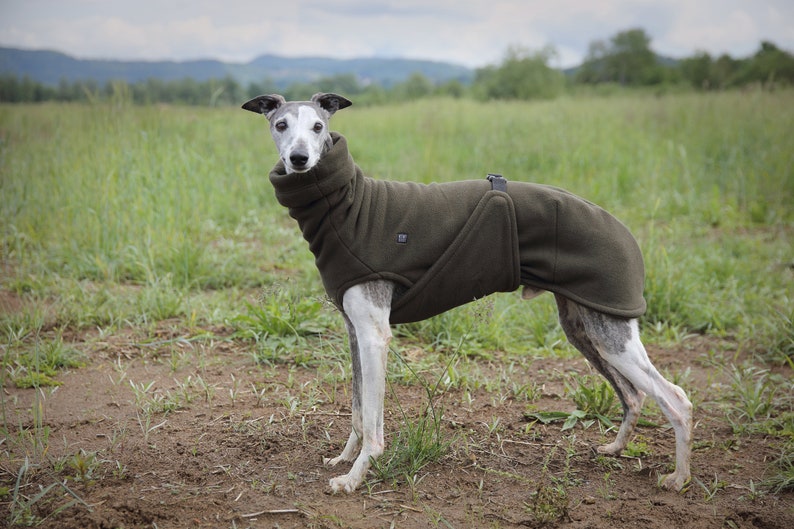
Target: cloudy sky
469	32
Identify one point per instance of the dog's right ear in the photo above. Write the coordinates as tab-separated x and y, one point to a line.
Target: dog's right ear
265	104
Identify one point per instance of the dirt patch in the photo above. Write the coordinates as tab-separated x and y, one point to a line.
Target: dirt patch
179	433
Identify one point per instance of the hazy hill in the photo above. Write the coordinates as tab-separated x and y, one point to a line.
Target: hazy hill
50	67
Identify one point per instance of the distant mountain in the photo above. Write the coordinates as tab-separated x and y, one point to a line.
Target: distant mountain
382	71
50	67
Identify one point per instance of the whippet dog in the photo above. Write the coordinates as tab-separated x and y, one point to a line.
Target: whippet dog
610	343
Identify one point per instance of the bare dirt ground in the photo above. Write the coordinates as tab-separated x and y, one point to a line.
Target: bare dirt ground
246	448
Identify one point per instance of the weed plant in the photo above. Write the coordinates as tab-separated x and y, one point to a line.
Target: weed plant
420	441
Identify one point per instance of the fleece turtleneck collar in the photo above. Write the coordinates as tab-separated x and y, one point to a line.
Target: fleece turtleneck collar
335	170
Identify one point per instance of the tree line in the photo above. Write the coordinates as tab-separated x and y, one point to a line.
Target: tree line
626	59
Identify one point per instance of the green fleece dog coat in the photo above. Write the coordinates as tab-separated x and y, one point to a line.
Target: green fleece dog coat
448	244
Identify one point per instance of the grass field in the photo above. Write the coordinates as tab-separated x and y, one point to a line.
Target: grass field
148	241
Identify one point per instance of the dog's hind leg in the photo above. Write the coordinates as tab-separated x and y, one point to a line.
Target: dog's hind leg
631	398
354	441
618	344
633	363
367	307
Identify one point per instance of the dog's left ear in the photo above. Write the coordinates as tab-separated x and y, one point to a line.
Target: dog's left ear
265	104
331	102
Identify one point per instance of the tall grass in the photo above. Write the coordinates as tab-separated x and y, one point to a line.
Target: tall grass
97	196
715	158
126	194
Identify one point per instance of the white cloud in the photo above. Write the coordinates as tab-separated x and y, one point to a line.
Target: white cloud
470	32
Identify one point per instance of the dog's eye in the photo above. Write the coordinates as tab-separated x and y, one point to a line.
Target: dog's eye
281	126
318	127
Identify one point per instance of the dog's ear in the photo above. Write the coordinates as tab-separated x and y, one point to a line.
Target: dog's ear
265	104
331	102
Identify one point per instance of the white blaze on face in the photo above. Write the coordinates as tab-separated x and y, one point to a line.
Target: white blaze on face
300	142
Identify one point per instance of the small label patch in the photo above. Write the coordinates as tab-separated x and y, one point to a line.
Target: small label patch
402	238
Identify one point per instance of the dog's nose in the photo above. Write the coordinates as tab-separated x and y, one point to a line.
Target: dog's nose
298	159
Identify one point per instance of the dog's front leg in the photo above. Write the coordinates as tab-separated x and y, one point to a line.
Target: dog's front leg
367	306
354	441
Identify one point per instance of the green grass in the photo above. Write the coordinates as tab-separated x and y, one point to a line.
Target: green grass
116	217
123	214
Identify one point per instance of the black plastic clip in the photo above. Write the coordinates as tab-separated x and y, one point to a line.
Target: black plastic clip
498	182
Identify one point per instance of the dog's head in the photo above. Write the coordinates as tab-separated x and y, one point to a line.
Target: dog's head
299	128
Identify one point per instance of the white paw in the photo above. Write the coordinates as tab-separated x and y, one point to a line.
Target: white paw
343	484
674	481
612	449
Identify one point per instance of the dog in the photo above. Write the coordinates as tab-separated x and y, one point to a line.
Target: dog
370	299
